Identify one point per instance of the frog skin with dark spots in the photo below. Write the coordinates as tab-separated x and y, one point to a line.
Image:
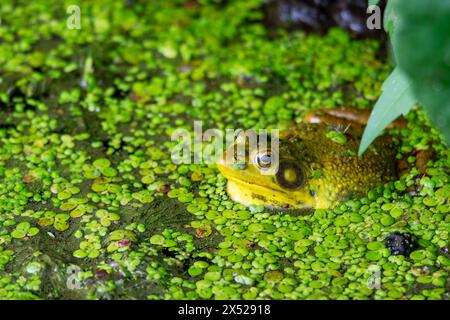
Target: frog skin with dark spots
315	170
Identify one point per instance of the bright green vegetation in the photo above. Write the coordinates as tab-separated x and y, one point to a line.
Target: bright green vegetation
86	177
420	43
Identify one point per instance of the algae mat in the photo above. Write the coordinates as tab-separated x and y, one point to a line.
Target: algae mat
92	206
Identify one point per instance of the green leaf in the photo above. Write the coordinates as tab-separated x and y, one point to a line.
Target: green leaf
397	99
391	17
421	45
373	2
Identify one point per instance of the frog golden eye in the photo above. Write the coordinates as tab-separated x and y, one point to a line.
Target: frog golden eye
264	159
290	175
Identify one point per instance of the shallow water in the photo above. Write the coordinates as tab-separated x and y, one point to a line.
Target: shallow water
74	225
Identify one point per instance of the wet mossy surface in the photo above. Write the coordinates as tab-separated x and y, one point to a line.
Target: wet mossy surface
92	206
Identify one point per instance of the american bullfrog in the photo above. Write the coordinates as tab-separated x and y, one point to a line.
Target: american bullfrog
318	164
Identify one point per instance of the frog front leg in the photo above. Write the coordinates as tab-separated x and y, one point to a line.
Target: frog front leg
345	116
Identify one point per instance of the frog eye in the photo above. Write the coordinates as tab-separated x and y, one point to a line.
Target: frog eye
290	175
264	159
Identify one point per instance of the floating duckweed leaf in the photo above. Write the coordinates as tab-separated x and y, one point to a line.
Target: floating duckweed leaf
5	257
148	179
337	137
24	229
106	217
229	214
418	255
110	137
78	211
173	193
64	195
113	246
194	271
256	209
400	186
295	234
233	258
201	264
205	293
69	205
273	104
225	252
269	227
387	220
273	276
244	215
122	234
203	231
169	243
255	227
99	187
79	254
444	260
375	245
212	276
102	163
186	198
21	230
396	212
424	279
335	252
355	217
304	242
430	201
373	255
114	188
109	172
443	193
242	279
47	219
33	231
143	196
60	223
101	213
193	208
196	176
184	182
90	172
342	221
157	239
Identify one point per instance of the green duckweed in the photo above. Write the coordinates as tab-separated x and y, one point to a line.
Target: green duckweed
88	188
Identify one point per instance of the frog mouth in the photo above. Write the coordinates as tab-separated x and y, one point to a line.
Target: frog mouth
251	194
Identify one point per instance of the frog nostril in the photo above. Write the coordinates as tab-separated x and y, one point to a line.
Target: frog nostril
240	165
241	152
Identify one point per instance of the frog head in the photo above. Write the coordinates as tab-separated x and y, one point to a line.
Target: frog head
264	176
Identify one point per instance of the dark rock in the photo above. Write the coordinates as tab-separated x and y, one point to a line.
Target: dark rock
351	15
400	243
297	15
124	243
320	15
164	189
100	274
